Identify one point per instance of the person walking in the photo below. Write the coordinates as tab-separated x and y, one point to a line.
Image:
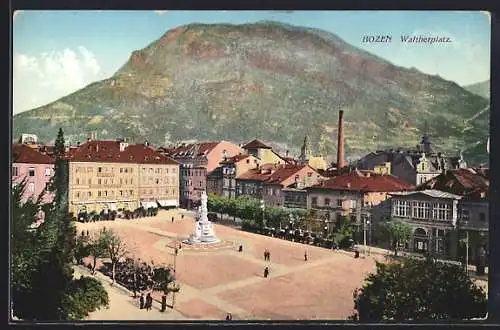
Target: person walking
229	317
268	256
176	251
149	301
240	249
266	272
172	219
141	302
305	256
182	216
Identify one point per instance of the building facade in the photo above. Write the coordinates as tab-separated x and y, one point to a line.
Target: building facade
285	176
354	195
433	216
414	165
263	152
197	161
37	168
222	181
106	175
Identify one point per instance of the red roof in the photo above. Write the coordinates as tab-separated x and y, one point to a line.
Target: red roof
256	144
22	153
459	182
364	181
271	174
109	151
201	149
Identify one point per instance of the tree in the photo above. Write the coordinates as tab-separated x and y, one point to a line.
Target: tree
97	248
114	248
414	289
163	280
397	232
84	295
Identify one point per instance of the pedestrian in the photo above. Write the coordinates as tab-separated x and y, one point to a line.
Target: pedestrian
229	317
87	233
172	219
266	272
141	301
149	301
182	216
268	256
180	246
305	256
176	251
240	249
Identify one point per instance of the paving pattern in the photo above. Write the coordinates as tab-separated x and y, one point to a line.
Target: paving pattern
218	280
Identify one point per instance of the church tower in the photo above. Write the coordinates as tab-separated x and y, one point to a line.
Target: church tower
305	151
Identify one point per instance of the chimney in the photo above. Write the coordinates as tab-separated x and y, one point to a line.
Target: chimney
340	142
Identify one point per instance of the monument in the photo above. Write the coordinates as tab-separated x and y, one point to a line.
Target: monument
203	230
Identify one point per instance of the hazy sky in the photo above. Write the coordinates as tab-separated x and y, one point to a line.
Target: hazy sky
59	52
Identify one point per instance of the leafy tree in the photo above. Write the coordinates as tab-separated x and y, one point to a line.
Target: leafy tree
84	296
96	248
114	248
414	289
82	248
397	232
163	280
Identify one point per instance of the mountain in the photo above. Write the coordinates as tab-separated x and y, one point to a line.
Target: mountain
481	89
271	81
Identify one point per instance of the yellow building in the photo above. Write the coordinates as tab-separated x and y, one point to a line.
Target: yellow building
263	152
111	175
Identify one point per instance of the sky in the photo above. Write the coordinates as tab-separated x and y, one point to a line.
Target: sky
58	52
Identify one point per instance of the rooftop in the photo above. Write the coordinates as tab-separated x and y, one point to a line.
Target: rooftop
256	144
110	152
459	182
192	149
22	153
429	192
365	181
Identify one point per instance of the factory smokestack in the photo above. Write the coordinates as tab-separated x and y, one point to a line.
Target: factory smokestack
340	142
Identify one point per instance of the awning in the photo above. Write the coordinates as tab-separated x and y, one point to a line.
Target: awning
148	205
168	202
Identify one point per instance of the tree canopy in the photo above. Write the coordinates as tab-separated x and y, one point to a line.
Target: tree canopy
415	289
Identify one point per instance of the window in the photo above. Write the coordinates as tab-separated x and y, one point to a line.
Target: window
248	161
121	170
99	169
401	208
77	181
441	211
90	182
327	201
201	183
31	187
309	174
131	193
15	171
31	171
48	171
89	169
421	210
90	194
121	192
99	181
482	217
105	193
157	181
352	204
465	215
314	201
99	193
77	194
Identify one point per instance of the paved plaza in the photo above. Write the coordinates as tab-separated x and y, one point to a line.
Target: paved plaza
218	280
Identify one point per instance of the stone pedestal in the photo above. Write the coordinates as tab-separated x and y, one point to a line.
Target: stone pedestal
203	230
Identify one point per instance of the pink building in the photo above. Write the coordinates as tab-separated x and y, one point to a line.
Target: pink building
197	160
38	168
